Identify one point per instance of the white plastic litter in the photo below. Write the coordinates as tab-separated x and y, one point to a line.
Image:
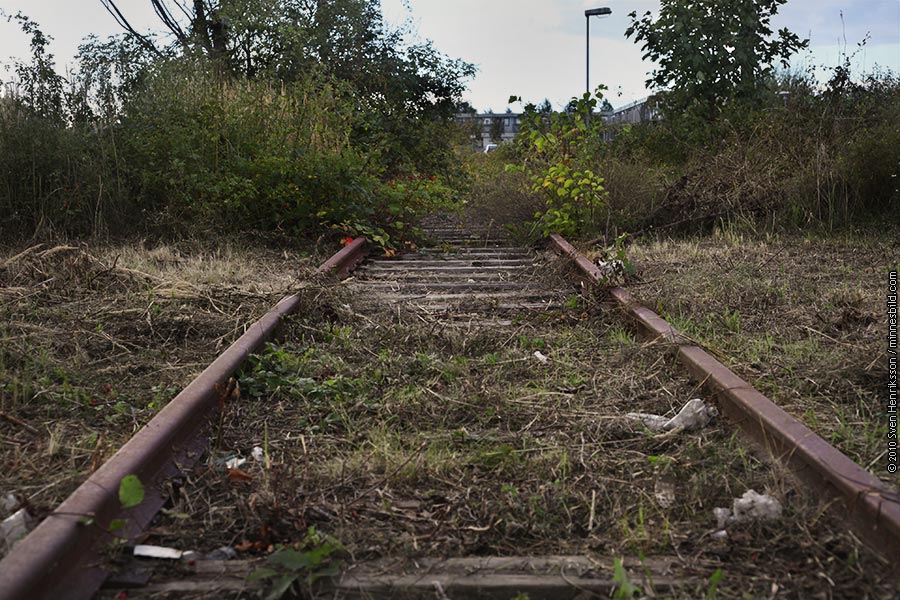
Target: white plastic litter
651	422
611	270
13	528
258	454
234	462
223	553
723	516
540	357
664	492
696	414
9	503
752	506
147	551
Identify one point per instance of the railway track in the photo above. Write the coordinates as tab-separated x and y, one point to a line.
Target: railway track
492	456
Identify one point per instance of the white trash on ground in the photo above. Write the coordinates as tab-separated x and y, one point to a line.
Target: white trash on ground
8	504
258	454
664	492
543	359
696	414
223	553
13	528
612	270
234	462
752	506
147	551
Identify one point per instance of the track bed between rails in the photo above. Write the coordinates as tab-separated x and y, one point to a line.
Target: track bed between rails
463	403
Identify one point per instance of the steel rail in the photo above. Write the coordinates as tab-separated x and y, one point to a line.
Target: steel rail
62	559
871	507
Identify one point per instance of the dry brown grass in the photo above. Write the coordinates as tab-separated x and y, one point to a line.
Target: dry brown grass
803	318
97	340
403	436
407	435
502	198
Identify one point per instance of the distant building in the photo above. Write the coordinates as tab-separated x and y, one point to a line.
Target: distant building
638	111
497	128
489	128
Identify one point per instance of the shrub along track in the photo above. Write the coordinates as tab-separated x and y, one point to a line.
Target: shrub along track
465	402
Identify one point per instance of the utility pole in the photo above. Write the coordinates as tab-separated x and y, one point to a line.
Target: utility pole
591	12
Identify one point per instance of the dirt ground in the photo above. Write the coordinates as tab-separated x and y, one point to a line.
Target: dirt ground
393	436
802	318
96	339
378	433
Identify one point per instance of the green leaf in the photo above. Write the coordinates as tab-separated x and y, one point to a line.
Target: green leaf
281	586
714	581
321	552
291	560
261	573
329	571
116	524
131	491
624	587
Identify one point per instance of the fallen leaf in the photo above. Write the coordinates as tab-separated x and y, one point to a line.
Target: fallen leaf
239	475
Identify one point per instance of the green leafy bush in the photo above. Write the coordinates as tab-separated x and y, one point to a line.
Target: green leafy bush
556	150
191	139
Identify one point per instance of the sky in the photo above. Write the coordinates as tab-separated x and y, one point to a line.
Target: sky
529	48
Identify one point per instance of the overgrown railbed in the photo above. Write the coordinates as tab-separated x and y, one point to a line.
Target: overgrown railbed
401	438
803	317
96	339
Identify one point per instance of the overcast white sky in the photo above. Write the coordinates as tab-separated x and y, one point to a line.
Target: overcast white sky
530	48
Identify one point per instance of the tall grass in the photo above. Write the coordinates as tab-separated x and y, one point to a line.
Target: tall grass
827	158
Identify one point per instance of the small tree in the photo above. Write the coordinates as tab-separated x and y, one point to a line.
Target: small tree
497	129
711	52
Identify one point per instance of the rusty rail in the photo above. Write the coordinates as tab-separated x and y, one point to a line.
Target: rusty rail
871	507
62	558
346	259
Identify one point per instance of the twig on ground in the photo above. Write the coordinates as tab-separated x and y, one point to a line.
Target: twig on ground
18	422
9	261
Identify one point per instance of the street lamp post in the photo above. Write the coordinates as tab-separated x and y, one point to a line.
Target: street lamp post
591	12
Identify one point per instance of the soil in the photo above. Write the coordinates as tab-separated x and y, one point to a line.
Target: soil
383	432
803	318
97	339
393	434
